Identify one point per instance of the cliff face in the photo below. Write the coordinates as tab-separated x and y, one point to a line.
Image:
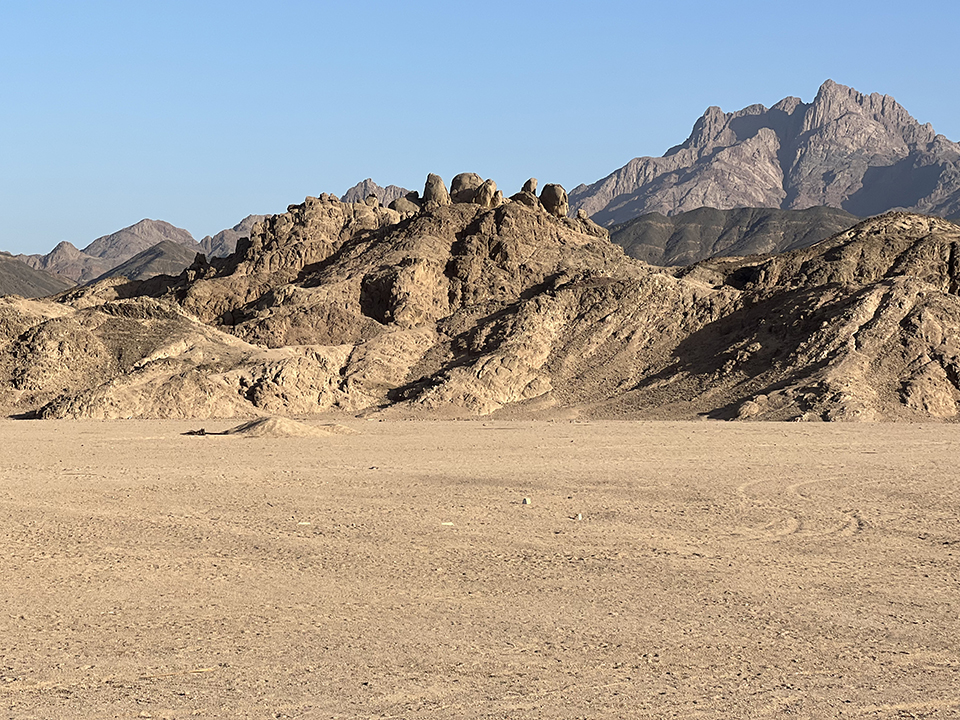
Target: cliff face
862	153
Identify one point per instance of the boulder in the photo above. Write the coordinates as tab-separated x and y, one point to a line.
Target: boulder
486	195
554	200
408	205
434	191
526	198
530	186
464	186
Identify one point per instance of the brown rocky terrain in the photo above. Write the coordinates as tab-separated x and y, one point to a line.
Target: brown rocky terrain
689	237
862	153
486	305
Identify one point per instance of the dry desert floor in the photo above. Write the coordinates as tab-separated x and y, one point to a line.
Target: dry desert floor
660	570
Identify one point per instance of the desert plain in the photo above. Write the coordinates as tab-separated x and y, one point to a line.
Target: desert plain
659	570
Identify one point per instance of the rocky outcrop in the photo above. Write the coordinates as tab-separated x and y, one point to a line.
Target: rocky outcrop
434	191
463	310
487	196
554	200
464	186
862	153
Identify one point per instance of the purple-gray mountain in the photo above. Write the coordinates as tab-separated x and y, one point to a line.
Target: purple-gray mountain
862	153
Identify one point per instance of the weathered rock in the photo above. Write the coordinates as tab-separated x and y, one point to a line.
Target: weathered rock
434	191
407	206
372	201
554	200
530	186
486	195
464	186
526	198
463	310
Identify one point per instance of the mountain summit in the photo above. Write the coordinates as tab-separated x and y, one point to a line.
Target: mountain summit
862	153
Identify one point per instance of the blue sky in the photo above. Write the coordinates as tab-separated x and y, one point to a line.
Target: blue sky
202	112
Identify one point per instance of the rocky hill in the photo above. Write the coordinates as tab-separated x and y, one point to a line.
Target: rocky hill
164	258
471	303
126	243
19	279
364	189
689	237
862	153
106	252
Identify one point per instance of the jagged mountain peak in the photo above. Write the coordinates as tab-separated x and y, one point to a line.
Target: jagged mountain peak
862	153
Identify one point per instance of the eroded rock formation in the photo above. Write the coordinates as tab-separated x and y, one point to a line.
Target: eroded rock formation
461	309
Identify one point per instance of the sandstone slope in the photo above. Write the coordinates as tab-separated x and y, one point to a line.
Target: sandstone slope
862	153
489	305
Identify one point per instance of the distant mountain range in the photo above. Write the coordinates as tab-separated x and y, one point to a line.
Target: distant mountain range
145	249
106	252
861	153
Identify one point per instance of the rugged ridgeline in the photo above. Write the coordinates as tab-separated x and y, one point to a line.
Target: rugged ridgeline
465	303
368	188
16	278
862	153
105	253
689	237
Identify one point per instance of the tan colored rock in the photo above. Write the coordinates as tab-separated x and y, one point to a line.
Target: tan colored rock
554	200
486	195
526	198
530	186
434	191
464	187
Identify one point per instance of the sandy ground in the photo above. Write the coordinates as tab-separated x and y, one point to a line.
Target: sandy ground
718	571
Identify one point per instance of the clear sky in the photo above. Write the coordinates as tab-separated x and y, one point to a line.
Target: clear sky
202	112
